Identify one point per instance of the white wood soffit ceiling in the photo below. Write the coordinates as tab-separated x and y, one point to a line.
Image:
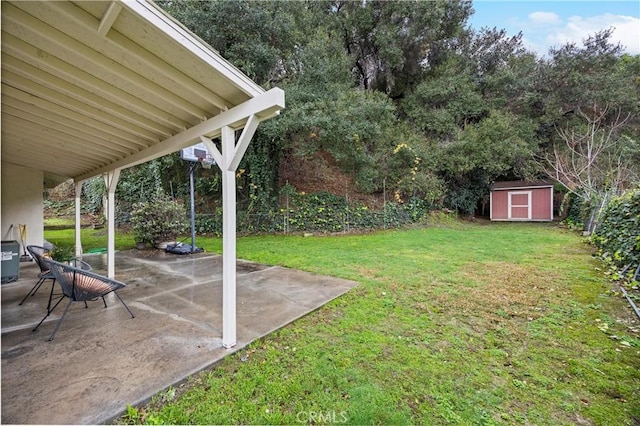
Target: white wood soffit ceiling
92	85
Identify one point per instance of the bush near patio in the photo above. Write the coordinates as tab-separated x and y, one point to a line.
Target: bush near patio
160	219
618	235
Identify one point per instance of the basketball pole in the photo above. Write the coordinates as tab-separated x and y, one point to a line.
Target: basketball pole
192	166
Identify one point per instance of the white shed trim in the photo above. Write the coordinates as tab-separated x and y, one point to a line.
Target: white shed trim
510	204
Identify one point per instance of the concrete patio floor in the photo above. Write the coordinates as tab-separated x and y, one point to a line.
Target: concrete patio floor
102	359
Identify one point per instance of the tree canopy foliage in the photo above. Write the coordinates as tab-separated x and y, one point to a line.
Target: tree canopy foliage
407	98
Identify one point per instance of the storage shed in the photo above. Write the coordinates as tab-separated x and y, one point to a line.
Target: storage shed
522	201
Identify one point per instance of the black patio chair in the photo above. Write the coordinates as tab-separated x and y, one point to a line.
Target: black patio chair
41	255
38	254
79	285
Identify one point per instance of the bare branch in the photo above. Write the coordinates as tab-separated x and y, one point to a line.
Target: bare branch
588	160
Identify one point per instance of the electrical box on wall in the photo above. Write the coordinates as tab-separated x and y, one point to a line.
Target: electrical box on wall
10	261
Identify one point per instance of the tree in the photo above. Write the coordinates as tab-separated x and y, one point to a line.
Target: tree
260	38
442	105
580	77
593	108
406	96
478	108
502	145
393	43
592	158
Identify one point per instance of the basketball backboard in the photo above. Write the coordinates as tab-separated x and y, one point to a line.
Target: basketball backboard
197	153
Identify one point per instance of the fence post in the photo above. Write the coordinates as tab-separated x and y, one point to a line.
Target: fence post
286	214
384	203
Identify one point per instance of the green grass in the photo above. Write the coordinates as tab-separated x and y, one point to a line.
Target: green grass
465	324
60	221
91	238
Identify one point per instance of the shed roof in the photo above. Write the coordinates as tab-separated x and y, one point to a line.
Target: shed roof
90	86
521	184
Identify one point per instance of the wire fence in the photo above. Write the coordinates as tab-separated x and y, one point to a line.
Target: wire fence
317	218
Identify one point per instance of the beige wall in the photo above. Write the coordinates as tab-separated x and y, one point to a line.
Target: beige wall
22	203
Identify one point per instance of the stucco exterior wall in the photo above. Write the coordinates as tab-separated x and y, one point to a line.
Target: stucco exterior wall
22	203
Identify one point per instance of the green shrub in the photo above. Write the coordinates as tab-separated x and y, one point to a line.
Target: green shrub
62	253
209	223
325	212
618	235
573	205
320	212
161	219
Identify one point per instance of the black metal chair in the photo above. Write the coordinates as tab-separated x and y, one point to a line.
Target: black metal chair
79	285
41	255
38	253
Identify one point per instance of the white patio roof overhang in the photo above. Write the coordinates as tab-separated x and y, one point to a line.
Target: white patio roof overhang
92	87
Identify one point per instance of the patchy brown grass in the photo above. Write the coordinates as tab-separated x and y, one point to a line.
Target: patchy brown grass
499	296
516	289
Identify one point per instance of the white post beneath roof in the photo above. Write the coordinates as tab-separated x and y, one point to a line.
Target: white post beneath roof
228	240
111	181
78	217
228	162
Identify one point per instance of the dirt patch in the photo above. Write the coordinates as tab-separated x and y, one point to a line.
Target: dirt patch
368	272
318	173
499	292
509	286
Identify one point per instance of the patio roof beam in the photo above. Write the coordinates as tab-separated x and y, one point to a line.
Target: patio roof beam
116	45
140	82
74	119
57	100
68	95
264	105
31	150
101	142
109	18
193	44
73	143
81	85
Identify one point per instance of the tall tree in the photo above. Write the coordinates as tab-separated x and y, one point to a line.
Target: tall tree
393	43
502	145
593	104
445	103
260	38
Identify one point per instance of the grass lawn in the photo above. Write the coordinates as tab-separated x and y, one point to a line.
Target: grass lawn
60	221
91	238
464	324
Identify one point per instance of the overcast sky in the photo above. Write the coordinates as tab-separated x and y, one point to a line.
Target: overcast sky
553	23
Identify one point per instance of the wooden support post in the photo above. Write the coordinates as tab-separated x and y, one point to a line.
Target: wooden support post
78	218
111	181
228	239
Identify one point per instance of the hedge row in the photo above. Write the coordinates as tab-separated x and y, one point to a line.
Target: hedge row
618	234
320	213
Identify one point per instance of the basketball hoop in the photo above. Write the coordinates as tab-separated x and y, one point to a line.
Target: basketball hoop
198	154
202	158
